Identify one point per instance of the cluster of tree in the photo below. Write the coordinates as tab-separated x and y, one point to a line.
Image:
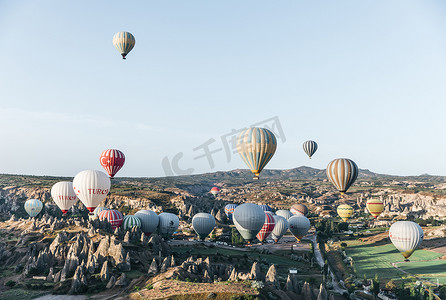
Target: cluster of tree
236	238
430	220
326	228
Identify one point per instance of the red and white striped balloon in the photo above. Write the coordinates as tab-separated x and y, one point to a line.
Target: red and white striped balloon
113	216
112	160
267	227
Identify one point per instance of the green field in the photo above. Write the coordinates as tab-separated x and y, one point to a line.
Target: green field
371	260
429	270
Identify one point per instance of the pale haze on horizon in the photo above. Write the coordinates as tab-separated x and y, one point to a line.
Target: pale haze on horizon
365	79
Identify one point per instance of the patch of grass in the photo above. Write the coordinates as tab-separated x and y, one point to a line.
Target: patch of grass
219	296
370	259
22	294
133	274
429	270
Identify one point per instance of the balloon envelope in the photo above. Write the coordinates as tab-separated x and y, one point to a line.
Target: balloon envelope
215	190
299	226
33	207
98	210
64	196
266	207
280	228
284	213
256	146
112	160
149	221
310	148
229	210
113	216
91	187
342	173
375	207
203	224
345	211
248	219
299	209
267	227
406	236
124	42
168	224
131	221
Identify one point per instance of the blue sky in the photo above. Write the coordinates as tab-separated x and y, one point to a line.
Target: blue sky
365	79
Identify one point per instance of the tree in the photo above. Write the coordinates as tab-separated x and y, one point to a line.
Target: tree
375	285
236	238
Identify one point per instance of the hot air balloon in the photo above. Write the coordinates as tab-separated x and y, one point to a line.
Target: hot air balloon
215	190
267	227
280	228
113	216
345	211
299	209
124	42
168	224
406	236
284	213
248	219
375	207
112	160
229	210
64	196
98	210
266	207
91	187
342	172
131	221
203	224
299	226
33	207
310	148
149	221
256	147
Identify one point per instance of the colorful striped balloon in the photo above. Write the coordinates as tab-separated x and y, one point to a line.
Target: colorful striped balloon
229	210
342	172
124	42
112	160
267	227
98	210
131	221
113	217
310	148
345	211
256	146
33	207
375	207
299	209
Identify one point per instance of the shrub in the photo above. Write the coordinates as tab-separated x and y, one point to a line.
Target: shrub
10	283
